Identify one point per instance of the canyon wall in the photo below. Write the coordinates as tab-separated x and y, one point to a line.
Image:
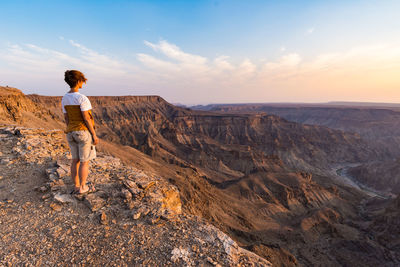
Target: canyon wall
262	179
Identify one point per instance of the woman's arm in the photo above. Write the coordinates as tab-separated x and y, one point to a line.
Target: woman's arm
66	119
89	125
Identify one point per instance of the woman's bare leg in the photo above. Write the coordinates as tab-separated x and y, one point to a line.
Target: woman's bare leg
83	174
74	173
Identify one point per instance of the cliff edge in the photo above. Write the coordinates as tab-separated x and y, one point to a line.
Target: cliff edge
134	218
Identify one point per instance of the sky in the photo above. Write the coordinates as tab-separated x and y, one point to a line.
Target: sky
206	51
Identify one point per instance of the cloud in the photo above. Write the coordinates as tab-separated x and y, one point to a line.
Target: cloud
247	69
288	61
38	59
100	62
221	63
29	66
32	58
180	76
174	52
366	57
185	63
310	31
158	64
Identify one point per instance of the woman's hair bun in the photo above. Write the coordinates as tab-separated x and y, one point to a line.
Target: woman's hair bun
72	77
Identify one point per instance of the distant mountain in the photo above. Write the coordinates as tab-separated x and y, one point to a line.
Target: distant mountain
364	104
260	106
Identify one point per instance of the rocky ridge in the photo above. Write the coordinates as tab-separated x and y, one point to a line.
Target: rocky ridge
133	217
16	108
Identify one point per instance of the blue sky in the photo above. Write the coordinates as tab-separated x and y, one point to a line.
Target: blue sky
206	51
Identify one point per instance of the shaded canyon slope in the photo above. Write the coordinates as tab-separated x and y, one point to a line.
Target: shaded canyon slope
380	175
372	123
377	124
260	178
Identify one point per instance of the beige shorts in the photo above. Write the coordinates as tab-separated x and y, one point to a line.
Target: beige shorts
80	143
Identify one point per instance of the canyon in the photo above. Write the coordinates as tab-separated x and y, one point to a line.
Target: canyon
261	175
375	123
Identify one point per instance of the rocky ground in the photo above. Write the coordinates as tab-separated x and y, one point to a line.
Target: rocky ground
133	218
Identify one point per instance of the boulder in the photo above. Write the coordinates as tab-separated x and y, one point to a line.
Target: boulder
171	201
94	201
63	198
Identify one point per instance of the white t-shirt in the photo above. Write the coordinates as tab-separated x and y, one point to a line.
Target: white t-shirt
76	98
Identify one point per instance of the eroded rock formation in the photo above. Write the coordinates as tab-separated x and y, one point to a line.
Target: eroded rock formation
261	179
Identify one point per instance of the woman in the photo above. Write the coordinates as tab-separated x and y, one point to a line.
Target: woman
80	131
